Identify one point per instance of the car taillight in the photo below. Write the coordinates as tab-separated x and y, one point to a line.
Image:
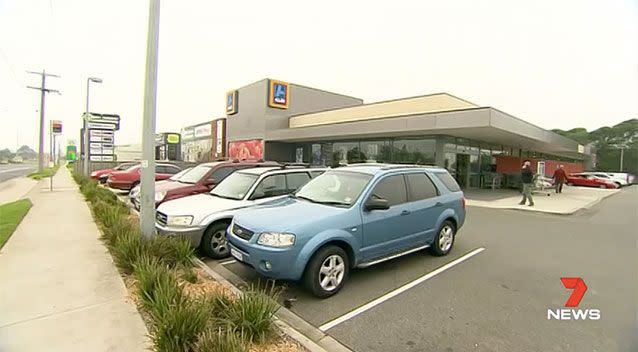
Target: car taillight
463	202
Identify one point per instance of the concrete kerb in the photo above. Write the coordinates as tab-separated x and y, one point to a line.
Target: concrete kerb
308	336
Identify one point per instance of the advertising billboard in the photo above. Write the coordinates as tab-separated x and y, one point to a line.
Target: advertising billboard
249	149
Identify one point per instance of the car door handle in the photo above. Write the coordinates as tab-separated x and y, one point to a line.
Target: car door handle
405	212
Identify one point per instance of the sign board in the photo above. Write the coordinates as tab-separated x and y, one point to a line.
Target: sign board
278	94
203	130
56	127
231	102
172	138
219	129
188	133
102	126
102	158
109	120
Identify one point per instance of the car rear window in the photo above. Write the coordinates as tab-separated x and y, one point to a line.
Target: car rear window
448	181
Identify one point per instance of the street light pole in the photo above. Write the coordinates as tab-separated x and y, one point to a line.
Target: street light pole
622	154
147	184
85	137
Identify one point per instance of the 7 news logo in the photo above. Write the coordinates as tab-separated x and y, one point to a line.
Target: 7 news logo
579	288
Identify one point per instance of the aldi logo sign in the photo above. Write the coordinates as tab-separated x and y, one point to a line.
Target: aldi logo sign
231	102
278	94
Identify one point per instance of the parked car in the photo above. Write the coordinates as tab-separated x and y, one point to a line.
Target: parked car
586	180
4	161
16	160
618	178
103	174
622	176
202	178
134	193
129	178
203	218
352	216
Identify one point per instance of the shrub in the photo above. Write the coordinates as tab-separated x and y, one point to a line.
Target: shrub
188	274
218	340
127	247
156	285
172	251
177	320
108	214
251	314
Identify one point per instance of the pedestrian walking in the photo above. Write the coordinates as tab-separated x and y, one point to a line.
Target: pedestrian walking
559	179
527	177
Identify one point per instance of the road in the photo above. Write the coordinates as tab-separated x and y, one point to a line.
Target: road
9	171
497	299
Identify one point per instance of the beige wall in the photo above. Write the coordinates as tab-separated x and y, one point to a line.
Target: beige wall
410	106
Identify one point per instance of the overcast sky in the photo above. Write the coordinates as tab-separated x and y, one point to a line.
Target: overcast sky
557	64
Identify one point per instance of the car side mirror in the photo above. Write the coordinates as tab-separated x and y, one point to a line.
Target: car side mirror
375	203
210	182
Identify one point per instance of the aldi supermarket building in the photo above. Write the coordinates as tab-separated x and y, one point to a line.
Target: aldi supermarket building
481	146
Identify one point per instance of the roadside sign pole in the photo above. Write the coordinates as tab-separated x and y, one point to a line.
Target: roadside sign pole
147	185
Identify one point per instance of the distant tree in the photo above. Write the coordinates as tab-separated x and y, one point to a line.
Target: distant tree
608	142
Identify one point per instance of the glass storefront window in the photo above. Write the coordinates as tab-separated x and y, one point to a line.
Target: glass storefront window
413	151
347	152
450	162
376	151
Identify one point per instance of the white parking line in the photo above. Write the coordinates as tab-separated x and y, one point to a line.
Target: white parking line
387	296
228	262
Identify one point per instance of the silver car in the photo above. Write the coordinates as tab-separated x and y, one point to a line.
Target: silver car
204	218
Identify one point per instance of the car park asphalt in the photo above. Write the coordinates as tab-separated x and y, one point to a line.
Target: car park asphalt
497	298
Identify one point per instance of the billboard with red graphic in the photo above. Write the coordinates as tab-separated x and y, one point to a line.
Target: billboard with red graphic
249	149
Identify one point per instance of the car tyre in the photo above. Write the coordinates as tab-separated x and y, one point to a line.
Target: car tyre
327	271
444	239
214	243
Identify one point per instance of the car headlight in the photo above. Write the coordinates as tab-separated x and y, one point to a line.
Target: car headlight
94	173
276	239
184	220
159	196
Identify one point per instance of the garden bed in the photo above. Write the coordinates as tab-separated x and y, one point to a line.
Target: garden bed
183	307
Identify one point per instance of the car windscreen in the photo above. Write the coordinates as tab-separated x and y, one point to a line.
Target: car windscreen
235	186
195	174
339	188
177	176
132	168
123	167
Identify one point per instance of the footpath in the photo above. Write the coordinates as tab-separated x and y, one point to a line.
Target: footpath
59	289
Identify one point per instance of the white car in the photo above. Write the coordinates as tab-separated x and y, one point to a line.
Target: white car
620	179
204	218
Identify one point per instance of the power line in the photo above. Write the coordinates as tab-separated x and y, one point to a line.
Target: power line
43	90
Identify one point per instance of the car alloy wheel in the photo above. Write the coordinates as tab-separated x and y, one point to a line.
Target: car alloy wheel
446	238
331	272
218	243
214	243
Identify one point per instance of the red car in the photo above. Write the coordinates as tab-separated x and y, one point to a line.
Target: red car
103	174
589	181
129	178
202	178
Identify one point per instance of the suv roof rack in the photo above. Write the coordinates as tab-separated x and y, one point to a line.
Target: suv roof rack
407	166
293	165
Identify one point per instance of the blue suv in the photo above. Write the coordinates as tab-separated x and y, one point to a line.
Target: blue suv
353	216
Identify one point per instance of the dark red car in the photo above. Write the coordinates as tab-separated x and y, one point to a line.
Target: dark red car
589	181
129	178
103	174
202	178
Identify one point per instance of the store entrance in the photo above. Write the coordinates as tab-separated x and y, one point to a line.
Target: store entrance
463	170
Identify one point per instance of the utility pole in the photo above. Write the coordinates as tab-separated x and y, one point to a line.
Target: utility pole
622	154
43	90
147	185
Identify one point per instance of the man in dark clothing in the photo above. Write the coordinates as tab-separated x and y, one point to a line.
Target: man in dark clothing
559	179
527	177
